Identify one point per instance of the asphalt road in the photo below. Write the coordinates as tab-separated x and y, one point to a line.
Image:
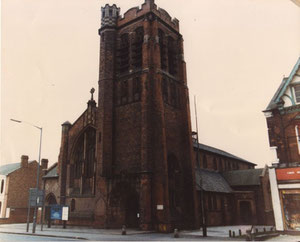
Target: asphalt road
139	237
17	237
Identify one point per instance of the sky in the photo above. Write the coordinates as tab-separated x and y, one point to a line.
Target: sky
237	52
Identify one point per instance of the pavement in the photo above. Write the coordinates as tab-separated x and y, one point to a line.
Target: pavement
87	233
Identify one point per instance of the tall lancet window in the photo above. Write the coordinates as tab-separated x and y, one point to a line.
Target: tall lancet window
172	56
123	54
137	48
162	46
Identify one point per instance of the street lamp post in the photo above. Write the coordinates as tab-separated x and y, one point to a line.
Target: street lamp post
38	171
204	228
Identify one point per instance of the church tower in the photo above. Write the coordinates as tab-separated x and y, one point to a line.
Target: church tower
128	160
144	146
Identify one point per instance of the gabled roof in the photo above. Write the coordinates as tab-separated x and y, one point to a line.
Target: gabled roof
52	172
249	177
219	152
9	168
211	181
282	88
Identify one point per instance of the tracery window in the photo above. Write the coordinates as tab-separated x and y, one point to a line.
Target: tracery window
84	156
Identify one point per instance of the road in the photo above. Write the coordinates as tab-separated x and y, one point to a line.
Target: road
105	237
17	237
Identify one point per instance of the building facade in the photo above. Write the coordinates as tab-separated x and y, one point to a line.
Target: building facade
283	120
129	159
16	179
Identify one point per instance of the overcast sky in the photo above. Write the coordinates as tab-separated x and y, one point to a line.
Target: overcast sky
237	52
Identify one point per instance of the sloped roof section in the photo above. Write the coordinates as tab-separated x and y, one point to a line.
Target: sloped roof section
52	172
282	88
9	168
220	152
248	177
211	181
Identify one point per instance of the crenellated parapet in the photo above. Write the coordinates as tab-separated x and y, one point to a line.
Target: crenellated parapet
148	6
110	15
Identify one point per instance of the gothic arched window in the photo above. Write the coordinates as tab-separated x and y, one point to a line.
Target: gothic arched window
84	154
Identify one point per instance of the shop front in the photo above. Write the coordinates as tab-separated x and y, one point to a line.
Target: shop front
285	190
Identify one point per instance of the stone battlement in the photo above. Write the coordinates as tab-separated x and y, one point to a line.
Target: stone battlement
148	6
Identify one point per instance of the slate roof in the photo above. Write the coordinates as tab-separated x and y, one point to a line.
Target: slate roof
52	172
9	168
282	88
220	152
211	181
248	177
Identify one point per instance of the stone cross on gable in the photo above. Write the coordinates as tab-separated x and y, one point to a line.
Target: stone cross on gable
92	92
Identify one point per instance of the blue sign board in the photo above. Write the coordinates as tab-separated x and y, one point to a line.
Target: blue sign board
56	212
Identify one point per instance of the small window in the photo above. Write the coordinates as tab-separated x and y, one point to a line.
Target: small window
103	14
204	162
110	13
297	93
2	186
215	164
72	205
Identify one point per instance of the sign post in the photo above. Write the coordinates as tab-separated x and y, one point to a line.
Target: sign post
36	199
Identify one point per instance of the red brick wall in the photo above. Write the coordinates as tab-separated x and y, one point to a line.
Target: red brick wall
19	183
281	130
212	158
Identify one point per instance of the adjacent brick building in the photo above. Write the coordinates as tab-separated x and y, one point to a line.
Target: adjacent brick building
16	179
234	192
283	120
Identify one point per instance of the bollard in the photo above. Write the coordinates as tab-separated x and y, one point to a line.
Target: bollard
176	234
229	233
233	234
271	229
240	232
264	229
256	230
123	230
64	224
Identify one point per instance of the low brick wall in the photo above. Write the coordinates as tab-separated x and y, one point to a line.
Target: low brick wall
17	215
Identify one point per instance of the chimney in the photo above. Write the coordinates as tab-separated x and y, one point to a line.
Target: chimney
24	161
44	164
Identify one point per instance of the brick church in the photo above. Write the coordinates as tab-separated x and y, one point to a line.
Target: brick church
130	159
